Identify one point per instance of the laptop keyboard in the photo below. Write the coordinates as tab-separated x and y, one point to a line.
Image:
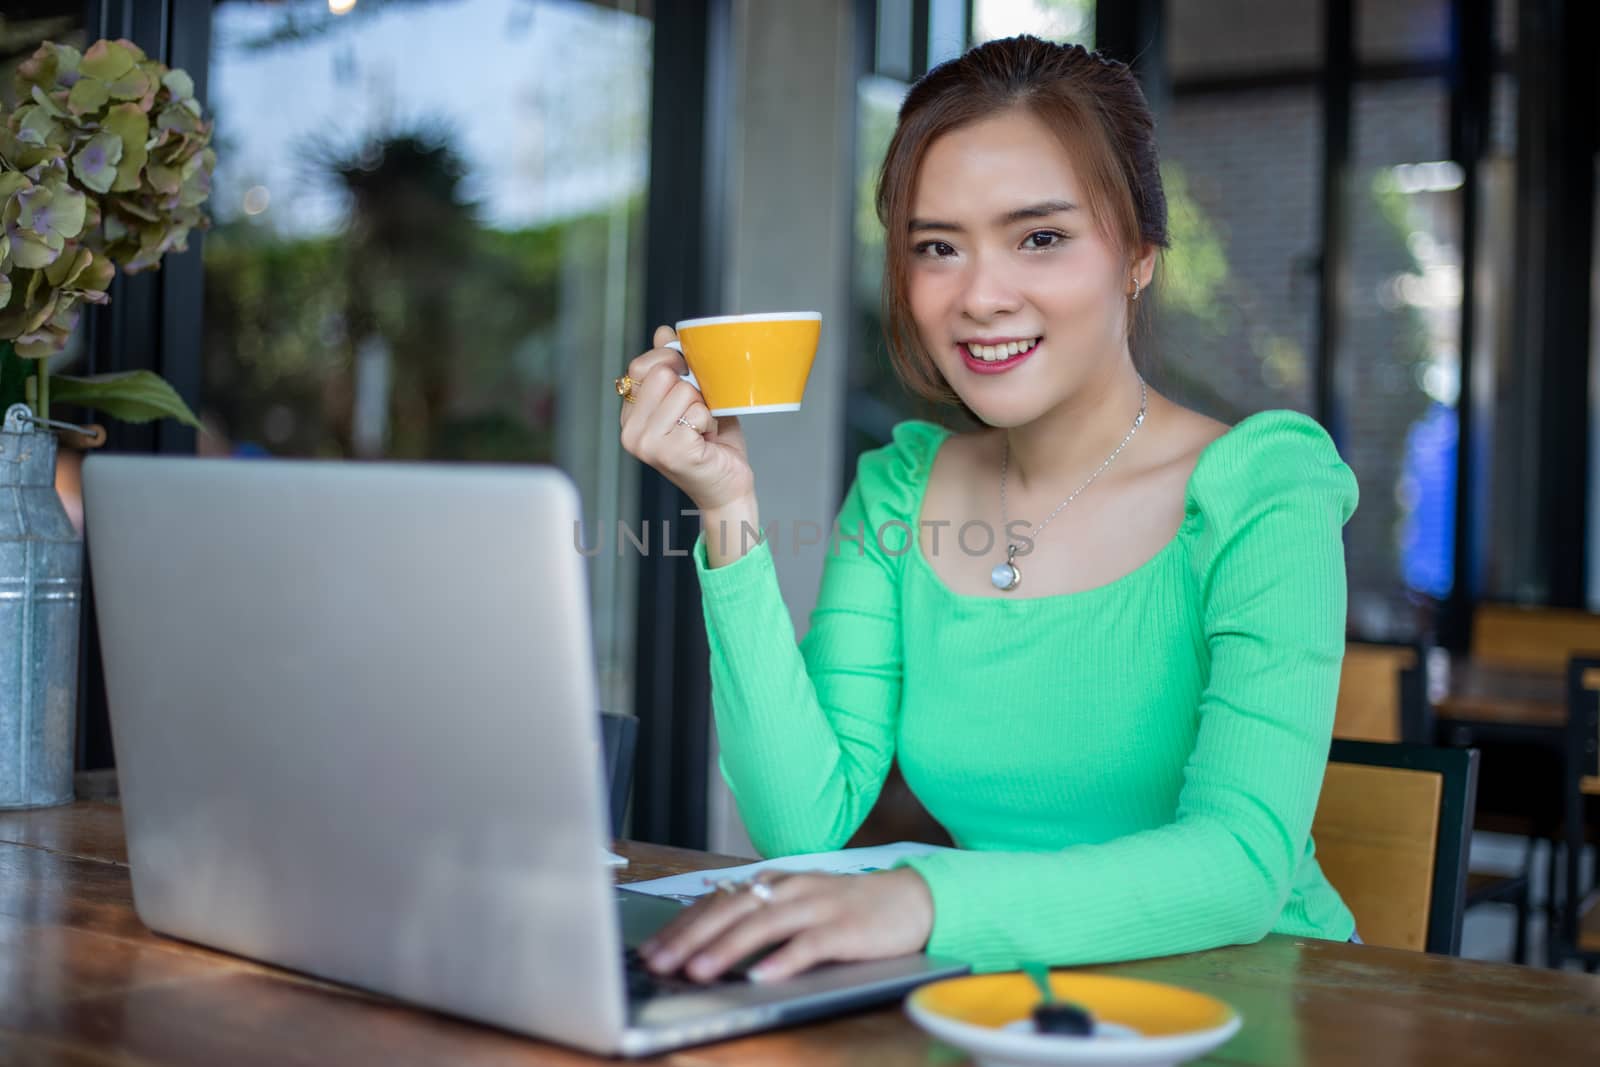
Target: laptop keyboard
645	984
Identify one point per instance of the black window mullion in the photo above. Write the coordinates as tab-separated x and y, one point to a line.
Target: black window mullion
1471	82
1564	400
672	690
1338	70
1542	405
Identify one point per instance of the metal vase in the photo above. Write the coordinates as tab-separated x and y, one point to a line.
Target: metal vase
41	576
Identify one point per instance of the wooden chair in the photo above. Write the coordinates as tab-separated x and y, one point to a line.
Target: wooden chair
618	735
1576	933
1523	637
1383	695
1392	829
1530	638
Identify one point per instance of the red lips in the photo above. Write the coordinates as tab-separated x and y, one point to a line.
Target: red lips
999	366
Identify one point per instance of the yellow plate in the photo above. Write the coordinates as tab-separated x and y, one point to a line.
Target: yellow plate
1138	1024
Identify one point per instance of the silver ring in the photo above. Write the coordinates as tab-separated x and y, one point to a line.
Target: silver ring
761	891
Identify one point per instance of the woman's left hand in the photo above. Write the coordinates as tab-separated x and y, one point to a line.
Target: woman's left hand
821	917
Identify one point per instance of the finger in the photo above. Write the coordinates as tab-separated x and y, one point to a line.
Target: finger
640	370
674	405
803	951
646	362
699	418
680	921
769	925
691	914
699	930
644	427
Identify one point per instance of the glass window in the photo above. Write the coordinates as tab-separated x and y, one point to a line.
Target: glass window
431	249
1053	20
875	400
1505	21
1397	365
1210	38
1407	30
1237	290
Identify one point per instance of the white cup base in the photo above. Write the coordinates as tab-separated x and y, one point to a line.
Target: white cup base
758	409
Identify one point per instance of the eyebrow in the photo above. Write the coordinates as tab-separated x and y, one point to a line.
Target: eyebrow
1043	209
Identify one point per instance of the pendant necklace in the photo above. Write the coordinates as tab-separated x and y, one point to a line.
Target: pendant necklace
1005	576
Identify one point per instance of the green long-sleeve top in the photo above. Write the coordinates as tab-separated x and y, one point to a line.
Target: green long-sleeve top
1128	771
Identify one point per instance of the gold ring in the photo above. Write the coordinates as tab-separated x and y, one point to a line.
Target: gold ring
685	422
625	386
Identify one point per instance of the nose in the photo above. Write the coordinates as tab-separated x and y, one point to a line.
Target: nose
989	293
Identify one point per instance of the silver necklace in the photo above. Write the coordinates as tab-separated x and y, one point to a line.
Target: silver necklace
1005	576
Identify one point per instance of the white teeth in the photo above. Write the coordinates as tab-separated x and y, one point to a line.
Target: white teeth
995	353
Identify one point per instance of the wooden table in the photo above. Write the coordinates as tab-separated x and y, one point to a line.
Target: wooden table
1481	695
83	983
1520	704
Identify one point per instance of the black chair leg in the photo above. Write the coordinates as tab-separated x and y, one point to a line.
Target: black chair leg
1519	947
1552	909
1523	902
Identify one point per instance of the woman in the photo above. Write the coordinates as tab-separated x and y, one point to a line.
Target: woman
1120	707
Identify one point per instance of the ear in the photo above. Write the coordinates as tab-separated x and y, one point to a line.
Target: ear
1143	267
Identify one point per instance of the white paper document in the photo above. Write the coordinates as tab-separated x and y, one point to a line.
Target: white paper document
687	887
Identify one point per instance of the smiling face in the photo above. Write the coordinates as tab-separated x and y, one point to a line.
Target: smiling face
1018	295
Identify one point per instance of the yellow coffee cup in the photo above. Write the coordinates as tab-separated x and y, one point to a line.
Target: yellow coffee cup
748	364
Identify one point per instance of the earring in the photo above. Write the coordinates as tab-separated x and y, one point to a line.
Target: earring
1136	287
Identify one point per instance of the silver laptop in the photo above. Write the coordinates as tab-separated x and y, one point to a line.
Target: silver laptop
355	716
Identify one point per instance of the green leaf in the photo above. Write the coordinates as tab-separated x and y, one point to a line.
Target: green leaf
130	124
106	60
34	253
96	162
50	104
179	84
132	396
165	180
10	183
132	85
89	94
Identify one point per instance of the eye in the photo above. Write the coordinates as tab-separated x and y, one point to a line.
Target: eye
1041	239
934	249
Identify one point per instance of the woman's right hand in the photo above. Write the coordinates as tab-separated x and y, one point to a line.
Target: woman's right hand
707	459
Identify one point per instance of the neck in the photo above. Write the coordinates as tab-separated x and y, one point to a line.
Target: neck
1071	441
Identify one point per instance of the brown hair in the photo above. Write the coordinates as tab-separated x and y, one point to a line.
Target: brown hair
1094	105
